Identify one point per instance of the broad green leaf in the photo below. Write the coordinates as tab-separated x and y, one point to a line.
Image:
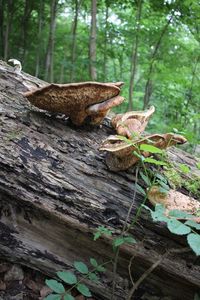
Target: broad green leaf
184	168
140	189
84	290
177	227
81	267
194	242
150	148
158	214
179	214
55	286
68	297
155	162
93	262
129	240
118	241
67	277
100	269
93	277
145	178
193	224
53	297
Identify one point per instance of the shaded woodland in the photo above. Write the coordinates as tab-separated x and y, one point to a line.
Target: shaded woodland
153	46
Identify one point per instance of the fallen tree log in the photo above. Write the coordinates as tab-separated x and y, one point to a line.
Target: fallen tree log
55	190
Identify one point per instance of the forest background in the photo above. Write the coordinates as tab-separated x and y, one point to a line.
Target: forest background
151	45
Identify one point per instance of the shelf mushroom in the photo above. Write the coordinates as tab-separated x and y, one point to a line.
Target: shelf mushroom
78	100
133	122
120	151
175	200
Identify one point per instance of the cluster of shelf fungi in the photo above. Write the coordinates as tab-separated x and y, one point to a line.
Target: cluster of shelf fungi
56	189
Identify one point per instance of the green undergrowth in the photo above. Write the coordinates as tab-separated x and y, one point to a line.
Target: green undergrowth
181	176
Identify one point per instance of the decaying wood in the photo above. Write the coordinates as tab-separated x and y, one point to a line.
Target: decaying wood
55	190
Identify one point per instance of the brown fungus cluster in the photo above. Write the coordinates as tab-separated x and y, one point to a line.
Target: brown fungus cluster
122	152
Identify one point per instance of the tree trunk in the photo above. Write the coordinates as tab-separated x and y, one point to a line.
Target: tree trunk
9	12
55	190
148	86
92	46
38	50
134	55
27	12
50	46
1	28
105	43
74	32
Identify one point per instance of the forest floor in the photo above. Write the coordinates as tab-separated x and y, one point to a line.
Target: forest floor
21	283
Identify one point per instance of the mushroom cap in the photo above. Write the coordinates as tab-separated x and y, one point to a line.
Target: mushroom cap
174	200
132	122
74	99
123	148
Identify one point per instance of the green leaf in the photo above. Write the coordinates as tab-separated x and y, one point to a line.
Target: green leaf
129	240
55	286
179	214
97	235
155	162
140	189
177	227
158	214
53	297
194	242
163	191
93	277
100	269
198	165
150	148
184	168
162	178
81	267
145	178
102	230
67	277
118	242
193	224
164	185
83	289
93	262
68	297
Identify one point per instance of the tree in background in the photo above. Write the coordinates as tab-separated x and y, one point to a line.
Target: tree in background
151	45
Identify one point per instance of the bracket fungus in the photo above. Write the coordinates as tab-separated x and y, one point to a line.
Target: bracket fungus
78	100
175	200
121	155
132	122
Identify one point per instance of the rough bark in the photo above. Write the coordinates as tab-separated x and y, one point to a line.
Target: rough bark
55	190
92	46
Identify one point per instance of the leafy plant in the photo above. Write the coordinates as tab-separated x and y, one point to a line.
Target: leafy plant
69	278
175	226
